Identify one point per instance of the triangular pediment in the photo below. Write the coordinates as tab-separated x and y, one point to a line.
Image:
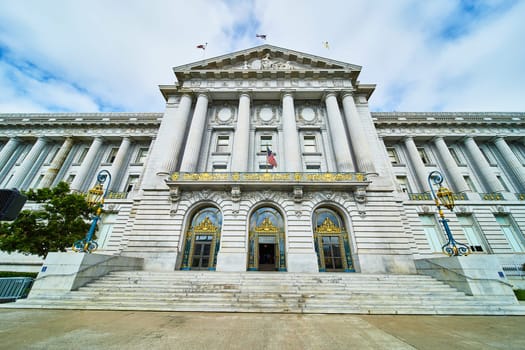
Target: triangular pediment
267	58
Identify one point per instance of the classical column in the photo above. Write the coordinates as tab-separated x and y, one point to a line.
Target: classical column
190	158
164	153
57	162
117	166
7	151
484	168
87	164
242	135
343	158
358	136
417	163
292	151
450	165
23	170
511	159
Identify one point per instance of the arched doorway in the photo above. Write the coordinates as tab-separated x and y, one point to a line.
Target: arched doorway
266	250
331	242
202	240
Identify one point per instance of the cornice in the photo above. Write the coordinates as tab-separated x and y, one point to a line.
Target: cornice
449	118
78	119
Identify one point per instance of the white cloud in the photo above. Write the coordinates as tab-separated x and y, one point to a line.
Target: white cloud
111	55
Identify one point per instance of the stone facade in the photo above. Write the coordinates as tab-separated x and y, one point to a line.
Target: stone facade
193	189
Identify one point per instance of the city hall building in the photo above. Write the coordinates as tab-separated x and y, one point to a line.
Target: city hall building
269	159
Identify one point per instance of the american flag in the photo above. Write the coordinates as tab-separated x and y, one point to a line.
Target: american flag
270	158
261	36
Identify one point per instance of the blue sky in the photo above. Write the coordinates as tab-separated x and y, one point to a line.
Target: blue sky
111	55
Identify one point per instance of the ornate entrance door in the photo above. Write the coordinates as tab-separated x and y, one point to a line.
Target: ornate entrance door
202	241
331	242
266	250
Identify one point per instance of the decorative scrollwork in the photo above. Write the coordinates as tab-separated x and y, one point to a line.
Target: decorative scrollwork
266	226
205	226
328	226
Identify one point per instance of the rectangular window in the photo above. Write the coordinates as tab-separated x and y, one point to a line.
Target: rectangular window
470	184
403	184
511	232
265	166
392	155
313	168
455	155
472	233
432	232
310	145
131	185
112	155
38	181
518	151
266	141
487	155
223	144
82	155
51	155
423	155
502	182
142	155
70	178
220	167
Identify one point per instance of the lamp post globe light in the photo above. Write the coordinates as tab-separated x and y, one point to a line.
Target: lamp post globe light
95	197
444	197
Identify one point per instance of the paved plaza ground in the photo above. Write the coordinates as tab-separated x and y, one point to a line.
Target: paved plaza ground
61	329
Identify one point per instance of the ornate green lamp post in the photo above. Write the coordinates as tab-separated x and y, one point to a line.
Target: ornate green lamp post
444	197
95	197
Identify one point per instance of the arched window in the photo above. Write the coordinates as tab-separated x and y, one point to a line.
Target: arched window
331	241
202	240
266	250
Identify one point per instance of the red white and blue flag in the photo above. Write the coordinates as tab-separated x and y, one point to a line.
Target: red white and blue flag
261	36
270	157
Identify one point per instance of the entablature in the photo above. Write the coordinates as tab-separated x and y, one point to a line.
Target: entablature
270	180
80	119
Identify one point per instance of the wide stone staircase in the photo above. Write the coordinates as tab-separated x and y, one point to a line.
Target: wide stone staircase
273	292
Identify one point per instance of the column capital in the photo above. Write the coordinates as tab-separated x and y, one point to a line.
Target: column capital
497	138
438	138
287	92
347	93
467	138
329	93
203	93
408	138
247	93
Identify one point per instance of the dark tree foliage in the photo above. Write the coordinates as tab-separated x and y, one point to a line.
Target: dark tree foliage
61	220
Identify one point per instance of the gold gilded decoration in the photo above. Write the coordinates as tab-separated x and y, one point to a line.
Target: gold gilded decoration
266	226
205	226
269	177
328	226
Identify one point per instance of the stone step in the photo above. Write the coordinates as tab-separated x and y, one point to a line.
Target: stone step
273	292
220	307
